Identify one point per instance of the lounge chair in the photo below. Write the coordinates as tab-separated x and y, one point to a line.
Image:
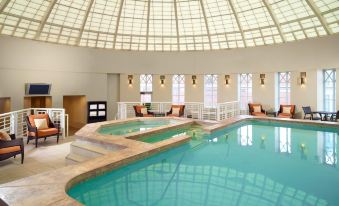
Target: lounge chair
176	111
308	114
142	111
256	110
43	130
286	111
11	146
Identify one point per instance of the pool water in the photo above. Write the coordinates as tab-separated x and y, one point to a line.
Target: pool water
193	131
249	164
136	126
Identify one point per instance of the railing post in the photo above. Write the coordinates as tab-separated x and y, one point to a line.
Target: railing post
14	124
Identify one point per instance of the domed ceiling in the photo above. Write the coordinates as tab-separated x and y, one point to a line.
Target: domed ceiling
169	25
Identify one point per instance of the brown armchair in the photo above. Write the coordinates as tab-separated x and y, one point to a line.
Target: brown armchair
11	148
138	113
35	133
284	114
181	111
252	111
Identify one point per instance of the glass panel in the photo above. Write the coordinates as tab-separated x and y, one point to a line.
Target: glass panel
210	91
245	87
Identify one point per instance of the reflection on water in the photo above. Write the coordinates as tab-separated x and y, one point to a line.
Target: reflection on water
245	137
238	167
327	148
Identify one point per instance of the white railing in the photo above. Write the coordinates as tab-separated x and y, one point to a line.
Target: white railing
195	110
14	122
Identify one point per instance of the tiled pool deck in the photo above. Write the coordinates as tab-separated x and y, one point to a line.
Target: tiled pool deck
50	188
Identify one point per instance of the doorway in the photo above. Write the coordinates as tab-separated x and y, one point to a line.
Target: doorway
5	104
38	102
75	107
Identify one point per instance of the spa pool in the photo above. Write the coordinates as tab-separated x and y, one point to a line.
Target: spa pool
136	126
251	163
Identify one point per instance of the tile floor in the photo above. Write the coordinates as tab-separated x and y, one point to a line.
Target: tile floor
48	156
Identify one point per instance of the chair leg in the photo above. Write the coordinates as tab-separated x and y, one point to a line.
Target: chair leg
14	156
22	157
36	142
45	138
28	140
58	138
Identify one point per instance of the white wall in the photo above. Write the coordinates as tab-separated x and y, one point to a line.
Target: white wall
12	84
309	54
94	72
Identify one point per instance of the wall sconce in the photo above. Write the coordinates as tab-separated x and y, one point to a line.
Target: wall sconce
194	78
262	79
227	78
162	80
302	78
130	78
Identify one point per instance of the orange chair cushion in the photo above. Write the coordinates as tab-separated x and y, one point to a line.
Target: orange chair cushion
9	149
292	108
258	114
253	105
172	115
181	108
282	115
45	132
138	108
38	116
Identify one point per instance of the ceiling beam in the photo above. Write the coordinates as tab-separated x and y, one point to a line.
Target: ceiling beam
148	16
3	5
317	12
177	23
44	19
275	20
206	23
84	20
238	22
117	23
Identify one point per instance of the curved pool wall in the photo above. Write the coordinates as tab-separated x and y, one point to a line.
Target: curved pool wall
247	163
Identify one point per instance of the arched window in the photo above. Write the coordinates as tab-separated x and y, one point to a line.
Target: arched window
178	89
245	90
329	76
284	87
146	88
211	91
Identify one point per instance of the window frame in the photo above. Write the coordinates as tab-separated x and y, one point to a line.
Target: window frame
333	86
287	87
211	96
178	89
146	88
248	77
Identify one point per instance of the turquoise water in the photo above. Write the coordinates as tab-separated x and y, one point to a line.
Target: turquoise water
135	126
250	164
191	131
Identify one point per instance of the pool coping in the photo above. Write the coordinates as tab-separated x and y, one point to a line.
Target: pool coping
49	188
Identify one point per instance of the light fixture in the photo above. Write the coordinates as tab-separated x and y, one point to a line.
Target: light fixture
227	78
262	79
162	80
130	78
302	78
194	78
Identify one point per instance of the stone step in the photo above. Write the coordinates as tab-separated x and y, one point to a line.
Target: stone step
74	159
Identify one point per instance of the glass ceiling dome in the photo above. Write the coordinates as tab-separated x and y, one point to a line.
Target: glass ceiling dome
169	25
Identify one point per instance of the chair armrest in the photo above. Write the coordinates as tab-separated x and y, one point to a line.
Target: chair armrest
15	142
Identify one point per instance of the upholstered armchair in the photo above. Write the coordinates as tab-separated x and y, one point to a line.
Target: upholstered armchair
176	111
41	126
11	147
286	111
142	111
256	110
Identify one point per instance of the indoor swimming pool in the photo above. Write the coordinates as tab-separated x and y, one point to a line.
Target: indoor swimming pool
136	126
250	163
